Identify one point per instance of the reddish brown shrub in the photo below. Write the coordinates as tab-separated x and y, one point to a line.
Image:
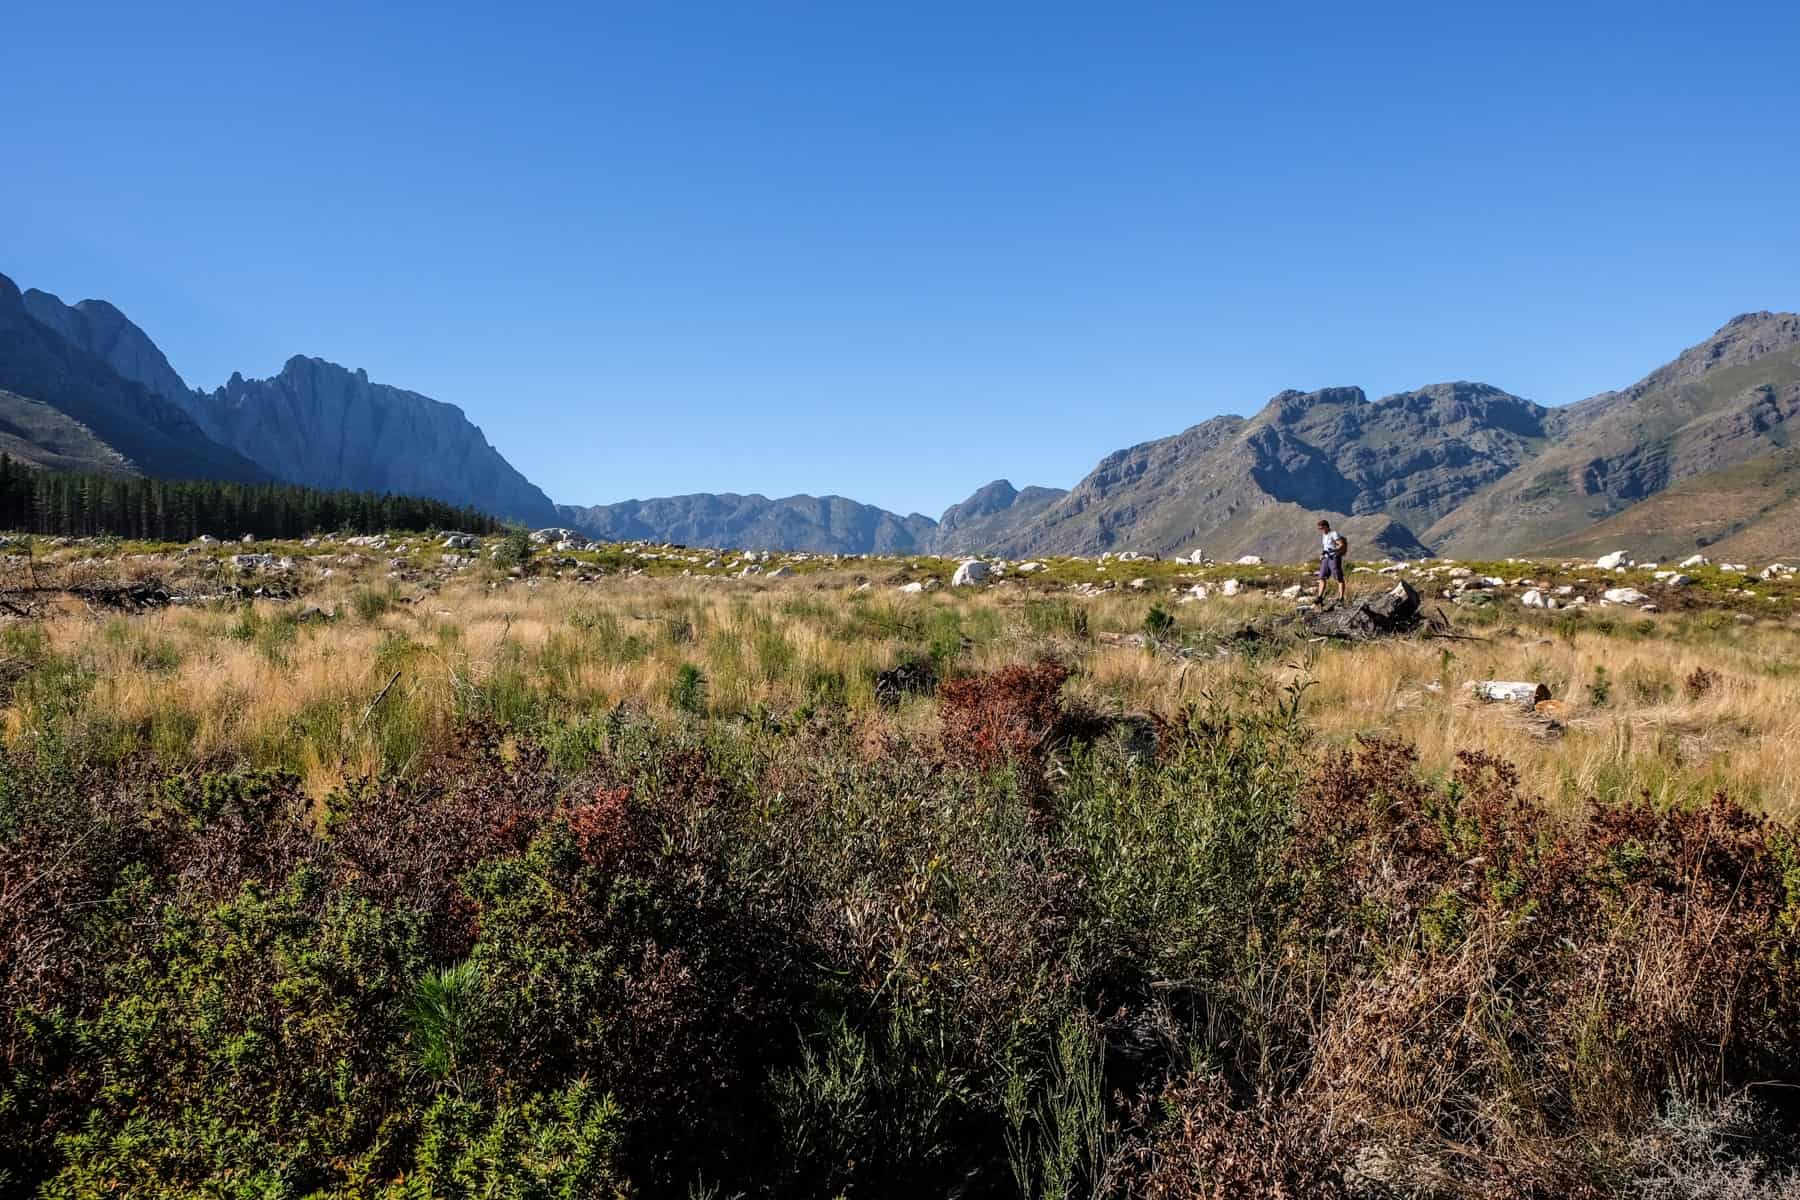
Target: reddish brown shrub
602	829
1699	682
409	842
1519	984
1007	716
1194	1143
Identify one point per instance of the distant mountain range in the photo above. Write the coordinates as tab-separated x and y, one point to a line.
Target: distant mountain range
1695	455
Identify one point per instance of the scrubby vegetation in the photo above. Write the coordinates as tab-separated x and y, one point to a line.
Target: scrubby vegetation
651	886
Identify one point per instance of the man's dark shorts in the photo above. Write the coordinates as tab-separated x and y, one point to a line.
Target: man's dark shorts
1331	566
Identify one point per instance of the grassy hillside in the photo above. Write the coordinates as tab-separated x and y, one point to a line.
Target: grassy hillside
1749	511
1722	403
32	432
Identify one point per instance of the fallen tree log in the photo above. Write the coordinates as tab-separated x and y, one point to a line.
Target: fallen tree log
1522	693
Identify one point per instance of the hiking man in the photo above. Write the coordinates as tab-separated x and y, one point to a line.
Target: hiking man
1331	561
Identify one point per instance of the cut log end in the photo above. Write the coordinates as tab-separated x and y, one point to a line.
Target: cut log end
1502	691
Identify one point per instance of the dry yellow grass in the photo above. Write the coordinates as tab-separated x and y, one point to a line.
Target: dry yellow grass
213	685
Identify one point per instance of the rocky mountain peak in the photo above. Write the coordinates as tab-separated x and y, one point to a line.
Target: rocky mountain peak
1290	405
102	330
988	499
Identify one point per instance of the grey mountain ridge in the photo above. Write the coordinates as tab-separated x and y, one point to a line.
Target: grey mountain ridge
1463	468
315	422
69	407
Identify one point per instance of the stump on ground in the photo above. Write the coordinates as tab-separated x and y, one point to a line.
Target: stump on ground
1391	612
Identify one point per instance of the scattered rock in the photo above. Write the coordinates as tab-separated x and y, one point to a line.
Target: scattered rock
1624	595
556	534
1613	561
1250	560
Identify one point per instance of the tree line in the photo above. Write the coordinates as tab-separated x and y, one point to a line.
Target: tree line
76	504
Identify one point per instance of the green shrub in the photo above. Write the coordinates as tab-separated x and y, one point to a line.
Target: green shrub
1159	623
688	691
515	548
371	604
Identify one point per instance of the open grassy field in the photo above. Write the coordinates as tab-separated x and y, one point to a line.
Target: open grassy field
395	869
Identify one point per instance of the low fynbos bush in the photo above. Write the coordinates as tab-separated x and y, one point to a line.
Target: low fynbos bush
1007	957
1006	717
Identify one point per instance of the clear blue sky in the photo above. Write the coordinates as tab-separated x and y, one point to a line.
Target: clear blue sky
894	251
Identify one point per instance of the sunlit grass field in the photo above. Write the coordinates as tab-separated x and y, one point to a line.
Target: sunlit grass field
1675	705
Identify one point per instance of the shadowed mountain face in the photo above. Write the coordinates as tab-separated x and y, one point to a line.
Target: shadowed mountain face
65	407
106	333
819	524
318	423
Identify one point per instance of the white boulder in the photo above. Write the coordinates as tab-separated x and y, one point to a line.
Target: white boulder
1613	561
972	572
1623	595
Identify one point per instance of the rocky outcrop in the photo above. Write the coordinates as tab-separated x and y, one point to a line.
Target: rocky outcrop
320	424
